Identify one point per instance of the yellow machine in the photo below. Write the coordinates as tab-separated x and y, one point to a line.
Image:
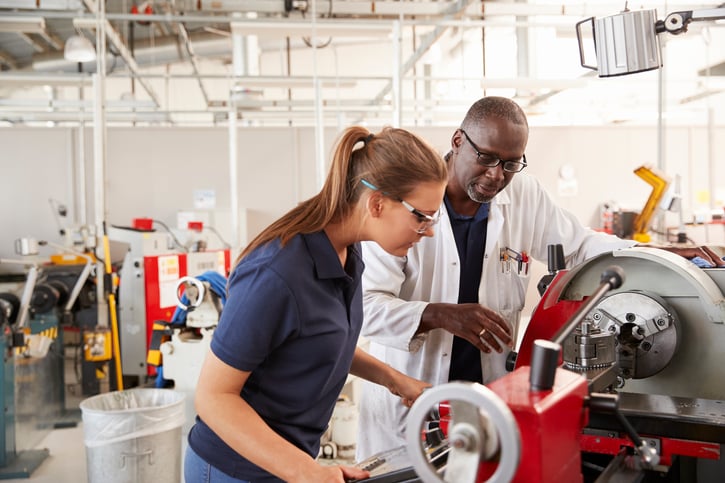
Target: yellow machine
97	345
660	182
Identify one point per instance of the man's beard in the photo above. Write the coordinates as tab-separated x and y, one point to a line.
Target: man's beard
475	195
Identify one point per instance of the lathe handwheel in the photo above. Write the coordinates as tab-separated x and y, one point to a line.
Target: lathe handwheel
496	412
193	282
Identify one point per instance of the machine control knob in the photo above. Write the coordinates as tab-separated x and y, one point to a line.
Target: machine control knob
511	361
614	276
544	361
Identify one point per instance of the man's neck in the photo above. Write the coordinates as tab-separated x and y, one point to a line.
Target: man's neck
463	205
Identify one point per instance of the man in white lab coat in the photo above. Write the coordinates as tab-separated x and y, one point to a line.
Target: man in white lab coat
450	309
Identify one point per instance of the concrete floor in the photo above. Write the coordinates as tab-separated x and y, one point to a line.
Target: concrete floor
66	462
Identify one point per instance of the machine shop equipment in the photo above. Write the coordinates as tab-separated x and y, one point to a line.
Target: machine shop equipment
669	313
626	378
179	345
660	184
655	341
151	269
32	389
200	301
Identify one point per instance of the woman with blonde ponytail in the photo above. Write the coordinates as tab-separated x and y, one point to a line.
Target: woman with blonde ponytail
287	338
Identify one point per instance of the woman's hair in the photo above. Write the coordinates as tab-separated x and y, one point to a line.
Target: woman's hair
394	160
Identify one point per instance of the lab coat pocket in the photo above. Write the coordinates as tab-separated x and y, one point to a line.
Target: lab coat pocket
512	291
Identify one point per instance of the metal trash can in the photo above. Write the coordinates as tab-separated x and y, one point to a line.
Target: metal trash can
133	436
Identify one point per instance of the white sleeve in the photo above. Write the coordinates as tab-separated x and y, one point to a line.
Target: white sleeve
389	320
552	224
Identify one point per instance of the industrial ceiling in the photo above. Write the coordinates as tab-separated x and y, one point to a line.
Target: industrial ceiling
305	62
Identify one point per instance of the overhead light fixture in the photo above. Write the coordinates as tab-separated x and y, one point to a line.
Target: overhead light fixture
79	49
22	24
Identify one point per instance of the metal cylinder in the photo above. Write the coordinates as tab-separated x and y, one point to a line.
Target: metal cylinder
627	43
544	361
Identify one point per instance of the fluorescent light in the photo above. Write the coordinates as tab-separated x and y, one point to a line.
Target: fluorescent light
22	24
79	49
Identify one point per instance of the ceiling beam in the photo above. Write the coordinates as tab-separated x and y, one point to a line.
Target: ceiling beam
52	39
120	45
194	62
37	46
40	78
8	60
715	69
27	24
454	11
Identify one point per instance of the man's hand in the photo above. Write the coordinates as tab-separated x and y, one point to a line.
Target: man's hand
479	325
703	252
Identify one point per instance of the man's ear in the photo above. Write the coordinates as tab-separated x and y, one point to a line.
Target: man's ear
456	141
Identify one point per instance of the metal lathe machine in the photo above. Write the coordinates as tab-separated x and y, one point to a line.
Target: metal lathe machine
619	377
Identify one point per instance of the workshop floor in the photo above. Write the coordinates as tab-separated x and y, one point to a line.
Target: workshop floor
66	462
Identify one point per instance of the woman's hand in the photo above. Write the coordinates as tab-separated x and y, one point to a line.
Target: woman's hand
371	369
407	388
331	474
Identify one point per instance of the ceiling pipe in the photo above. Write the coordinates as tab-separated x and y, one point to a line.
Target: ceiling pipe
194	62
424	11
117	42
102	25
162	51
428	40
42	5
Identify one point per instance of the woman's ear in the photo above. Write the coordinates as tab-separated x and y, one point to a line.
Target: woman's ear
375	204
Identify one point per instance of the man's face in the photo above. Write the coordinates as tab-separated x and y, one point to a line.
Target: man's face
478	145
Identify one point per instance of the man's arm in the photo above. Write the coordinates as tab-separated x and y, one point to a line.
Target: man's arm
389	320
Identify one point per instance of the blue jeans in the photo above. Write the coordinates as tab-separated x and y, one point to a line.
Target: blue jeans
196	470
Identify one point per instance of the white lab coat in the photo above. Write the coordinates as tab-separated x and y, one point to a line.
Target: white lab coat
396	290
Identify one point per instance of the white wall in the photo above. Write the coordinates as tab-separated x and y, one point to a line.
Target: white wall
153	172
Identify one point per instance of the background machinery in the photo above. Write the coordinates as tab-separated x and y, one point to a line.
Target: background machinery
152	264
36	307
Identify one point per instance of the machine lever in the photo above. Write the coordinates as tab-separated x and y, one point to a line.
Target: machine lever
556	262
612	278
609	404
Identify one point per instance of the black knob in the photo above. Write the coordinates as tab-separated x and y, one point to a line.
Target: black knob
555	258
511	361
544	361
614	276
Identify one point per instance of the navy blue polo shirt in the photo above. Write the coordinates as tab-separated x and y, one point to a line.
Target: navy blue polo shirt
292	319
470	235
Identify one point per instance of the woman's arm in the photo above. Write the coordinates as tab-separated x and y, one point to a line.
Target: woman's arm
219	404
